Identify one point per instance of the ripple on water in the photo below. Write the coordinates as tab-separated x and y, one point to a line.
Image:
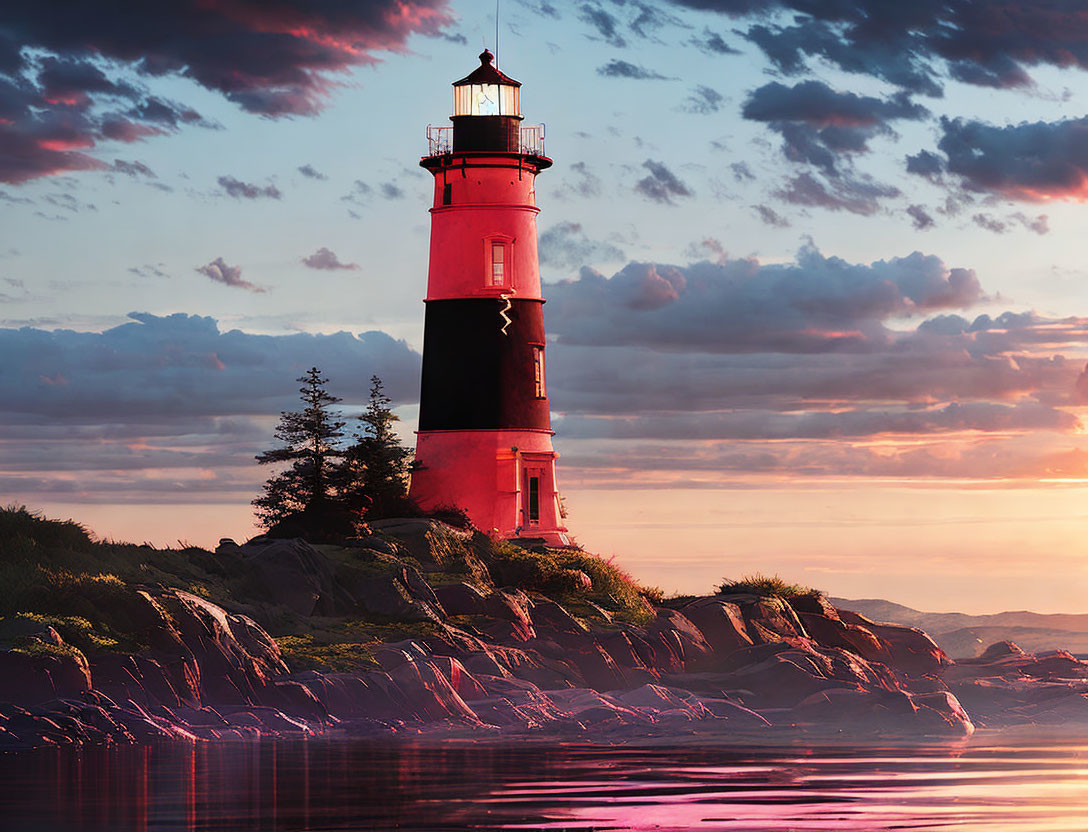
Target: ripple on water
1022	786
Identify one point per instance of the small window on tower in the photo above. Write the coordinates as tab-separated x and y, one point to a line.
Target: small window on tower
447	193
538	372
498	264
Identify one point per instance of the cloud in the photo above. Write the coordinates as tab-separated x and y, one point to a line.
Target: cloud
167	409
312	173
741	172
712	43
990	223
244	190
391	190
661	185
71	81
220	272
816	304
606	24
916	46
326	260
566	246
580	182
815	103
1039	225
819	124
133	169
704	100
770	216
624	69
792	368
856	195
920	218
148	270
755	424
1031	161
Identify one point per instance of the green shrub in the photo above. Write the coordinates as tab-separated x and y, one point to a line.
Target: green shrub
764	585
554	573
21	529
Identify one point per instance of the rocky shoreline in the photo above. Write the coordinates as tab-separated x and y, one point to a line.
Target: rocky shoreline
501	661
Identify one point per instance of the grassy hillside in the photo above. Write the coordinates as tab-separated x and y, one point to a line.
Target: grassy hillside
57	572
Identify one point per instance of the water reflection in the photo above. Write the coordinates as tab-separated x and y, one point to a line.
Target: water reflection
325	785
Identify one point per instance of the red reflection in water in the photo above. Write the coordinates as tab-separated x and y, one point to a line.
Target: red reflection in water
350	785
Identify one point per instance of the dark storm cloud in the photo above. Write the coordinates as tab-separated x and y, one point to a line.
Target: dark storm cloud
324	259
662	184
818	125
926	164
566	246
815	103
915	45
246	190
1031	161
74	76
624	69
220	272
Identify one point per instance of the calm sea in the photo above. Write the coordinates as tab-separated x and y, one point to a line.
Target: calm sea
994	783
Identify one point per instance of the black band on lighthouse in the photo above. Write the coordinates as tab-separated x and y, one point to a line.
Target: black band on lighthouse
479	369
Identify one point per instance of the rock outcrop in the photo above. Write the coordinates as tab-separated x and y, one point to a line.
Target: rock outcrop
496	660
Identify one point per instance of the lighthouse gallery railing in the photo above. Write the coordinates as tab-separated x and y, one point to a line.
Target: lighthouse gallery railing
440	140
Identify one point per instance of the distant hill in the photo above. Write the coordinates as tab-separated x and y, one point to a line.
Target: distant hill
963	635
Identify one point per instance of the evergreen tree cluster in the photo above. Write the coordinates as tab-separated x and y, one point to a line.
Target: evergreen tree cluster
328	486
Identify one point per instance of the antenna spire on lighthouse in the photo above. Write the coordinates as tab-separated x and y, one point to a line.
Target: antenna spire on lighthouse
485	440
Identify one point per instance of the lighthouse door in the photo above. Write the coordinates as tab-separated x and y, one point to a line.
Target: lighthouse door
534	478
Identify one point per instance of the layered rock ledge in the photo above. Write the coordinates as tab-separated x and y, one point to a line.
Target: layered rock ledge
412	630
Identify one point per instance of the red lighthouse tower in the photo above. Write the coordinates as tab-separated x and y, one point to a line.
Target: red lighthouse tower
485	439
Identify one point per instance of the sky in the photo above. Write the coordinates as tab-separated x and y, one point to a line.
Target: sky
817	303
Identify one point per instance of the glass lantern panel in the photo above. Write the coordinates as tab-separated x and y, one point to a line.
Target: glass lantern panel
510	104
486	100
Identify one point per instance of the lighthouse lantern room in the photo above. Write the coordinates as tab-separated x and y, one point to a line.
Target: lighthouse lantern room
484	440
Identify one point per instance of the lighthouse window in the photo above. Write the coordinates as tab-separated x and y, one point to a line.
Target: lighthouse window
447	193
538	372
498	264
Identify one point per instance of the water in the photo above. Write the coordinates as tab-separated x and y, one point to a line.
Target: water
990	783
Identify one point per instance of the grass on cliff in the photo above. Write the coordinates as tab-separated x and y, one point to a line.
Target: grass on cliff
766	586
55	571
557	573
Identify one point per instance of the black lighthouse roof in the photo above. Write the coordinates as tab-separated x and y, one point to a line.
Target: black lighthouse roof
486	73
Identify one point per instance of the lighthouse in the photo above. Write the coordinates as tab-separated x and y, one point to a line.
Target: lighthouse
484	442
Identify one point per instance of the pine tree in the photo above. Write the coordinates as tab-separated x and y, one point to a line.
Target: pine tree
311	440
377	465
